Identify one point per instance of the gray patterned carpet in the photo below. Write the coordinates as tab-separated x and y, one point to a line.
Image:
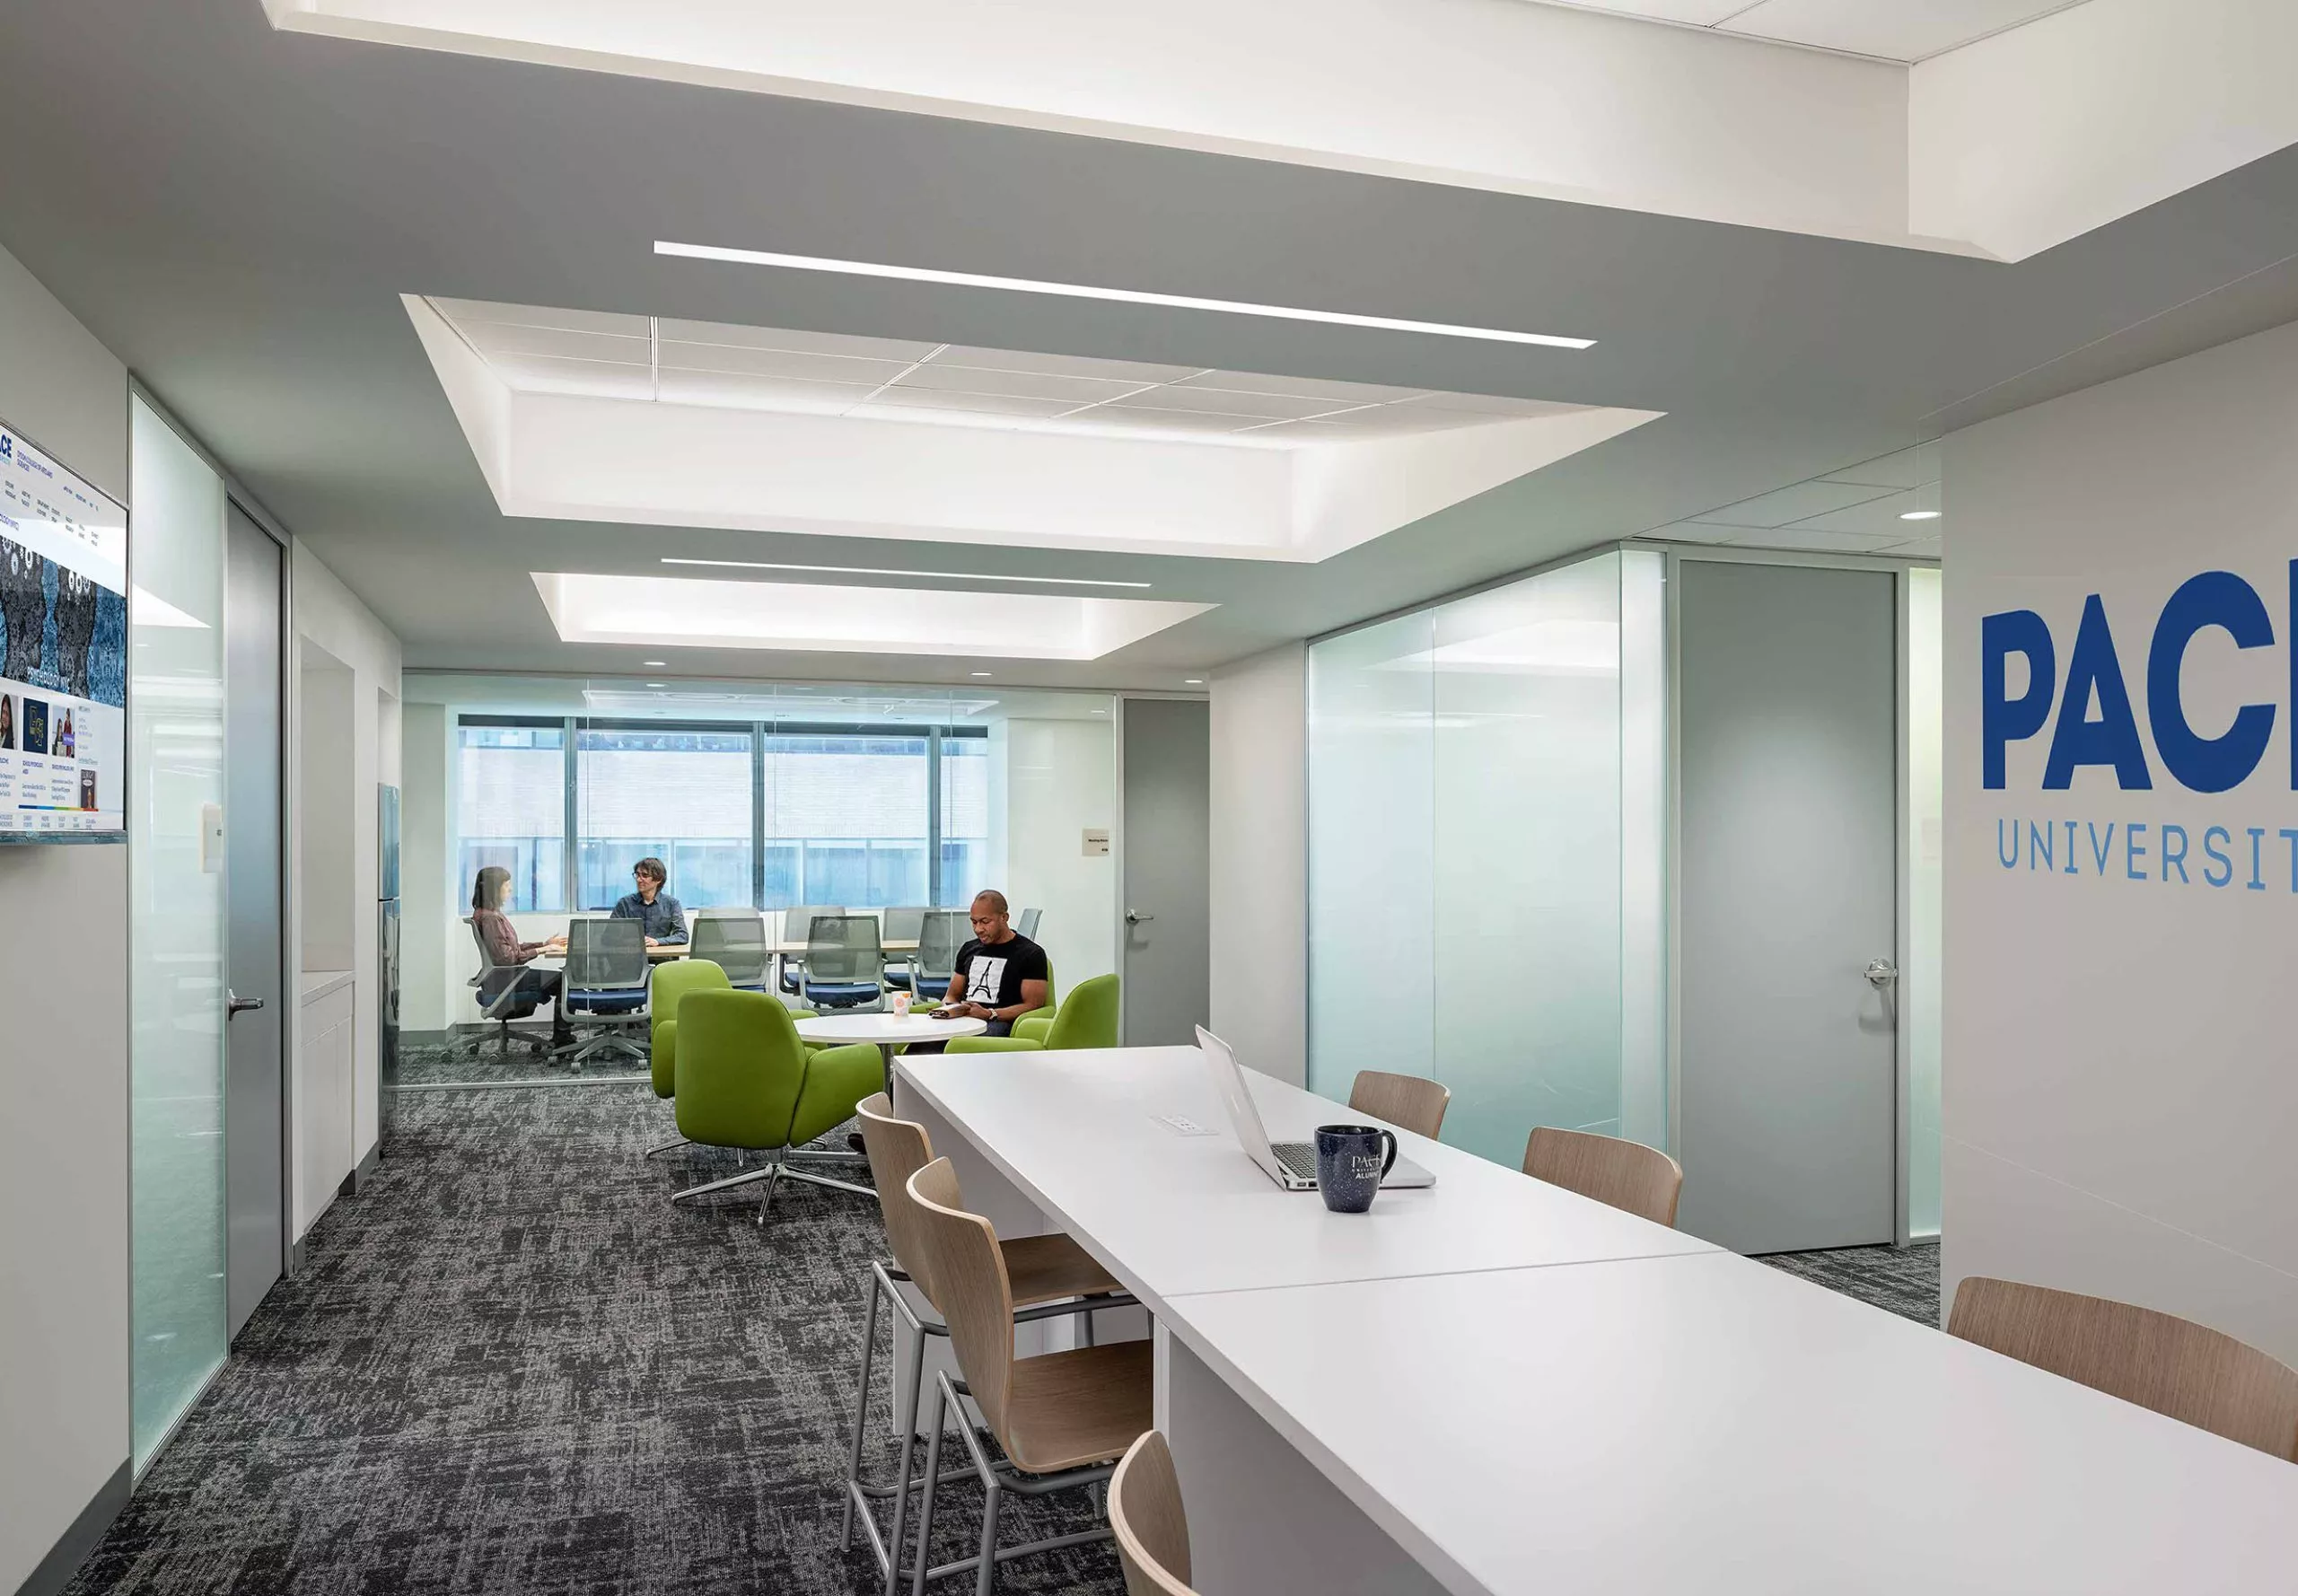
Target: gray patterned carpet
512	1366
1905	1283
430	1059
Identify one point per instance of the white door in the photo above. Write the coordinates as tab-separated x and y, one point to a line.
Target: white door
1788	888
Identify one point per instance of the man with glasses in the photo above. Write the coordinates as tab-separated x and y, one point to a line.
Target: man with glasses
663	921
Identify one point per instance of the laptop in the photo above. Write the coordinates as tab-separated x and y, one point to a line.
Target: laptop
1291	1164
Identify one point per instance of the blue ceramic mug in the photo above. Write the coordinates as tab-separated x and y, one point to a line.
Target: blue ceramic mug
1350	1164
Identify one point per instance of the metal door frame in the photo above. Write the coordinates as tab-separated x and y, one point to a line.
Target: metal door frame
1903	870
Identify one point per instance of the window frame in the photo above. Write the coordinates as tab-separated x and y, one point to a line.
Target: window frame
571	726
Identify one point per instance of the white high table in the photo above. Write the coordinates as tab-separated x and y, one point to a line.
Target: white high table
1495	1388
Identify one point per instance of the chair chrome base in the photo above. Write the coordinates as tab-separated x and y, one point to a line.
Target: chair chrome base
668	1147
774	1171
861	1492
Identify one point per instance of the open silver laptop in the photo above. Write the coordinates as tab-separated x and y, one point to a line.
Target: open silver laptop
1291	1164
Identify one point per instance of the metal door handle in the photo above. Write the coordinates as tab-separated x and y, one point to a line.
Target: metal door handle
1134	917
1881	972
235	1004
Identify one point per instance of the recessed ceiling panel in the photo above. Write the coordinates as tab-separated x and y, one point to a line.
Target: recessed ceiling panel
765	368
710	612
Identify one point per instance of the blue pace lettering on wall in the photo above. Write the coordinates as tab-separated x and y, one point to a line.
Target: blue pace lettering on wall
2088	712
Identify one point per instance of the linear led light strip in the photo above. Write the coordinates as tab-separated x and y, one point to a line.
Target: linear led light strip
917	274
883	571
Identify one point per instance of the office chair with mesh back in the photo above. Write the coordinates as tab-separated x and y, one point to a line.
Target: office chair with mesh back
503	996
929	970
1027	922
605	987
900	925
846	963
797	924
734	940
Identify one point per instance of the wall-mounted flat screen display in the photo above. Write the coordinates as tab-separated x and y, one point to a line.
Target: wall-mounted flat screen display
64	662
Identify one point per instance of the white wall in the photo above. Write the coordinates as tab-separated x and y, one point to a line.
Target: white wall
1058	779
1260	860
328	616
2119	1091
430	941
64	1305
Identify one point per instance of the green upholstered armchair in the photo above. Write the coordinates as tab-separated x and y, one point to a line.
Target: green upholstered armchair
1087	1019
672	982
745	1080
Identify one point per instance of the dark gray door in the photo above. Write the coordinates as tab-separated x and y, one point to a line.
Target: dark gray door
1165	921
254	1068
1787	719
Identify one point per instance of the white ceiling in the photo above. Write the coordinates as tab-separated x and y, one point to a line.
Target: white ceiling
1862	509
600	355
1888	29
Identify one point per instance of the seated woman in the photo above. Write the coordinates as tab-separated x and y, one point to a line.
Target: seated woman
507	953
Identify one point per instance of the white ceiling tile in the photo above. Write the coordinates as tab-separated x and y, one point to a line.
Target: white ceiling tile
807	343
1333	393
1067	365
1222	401
1894	29
975	404
495	341
463	311
1881	517
1921	549
1692	532
600	378
1109	416
733	391
1705	13
779	363
1909	468
1494	404
1795	503
941	378
1804	541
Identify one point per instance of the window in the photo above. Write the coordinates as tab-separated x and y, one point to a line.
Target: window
767	814
680	794
965	818
511	806
846	818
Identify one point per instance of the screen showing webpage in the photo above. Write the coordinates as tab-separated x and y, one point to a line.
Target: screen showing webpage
64	671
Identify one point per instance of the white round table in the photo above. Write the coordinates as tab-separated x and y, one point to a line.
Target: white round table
885	1031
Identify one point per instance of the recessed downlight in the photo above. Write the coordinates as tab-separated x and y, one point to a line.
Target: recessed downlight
658	684
1133	296
887	571
980	673
1919	516
653	664
1193	681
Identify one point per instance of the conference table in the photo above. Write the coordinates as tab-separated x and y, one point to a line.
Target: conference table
1495	1387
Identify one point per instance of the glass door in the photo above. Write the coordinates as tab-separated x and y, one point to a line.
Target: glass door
176	941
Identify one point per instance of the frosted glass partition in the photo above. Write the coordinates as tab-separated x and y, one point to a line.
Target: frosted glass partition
1372	854
1919	982
1487	808
176	926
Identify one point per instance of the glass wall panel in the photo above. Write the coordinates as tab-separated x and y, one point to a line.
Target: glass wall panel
511	809
1921	966
1488	824
1371	846
176	925
1526	719
678	794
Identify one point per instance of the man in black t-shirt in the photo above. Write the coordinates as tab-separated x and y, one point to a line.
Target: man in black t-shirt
1001	973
